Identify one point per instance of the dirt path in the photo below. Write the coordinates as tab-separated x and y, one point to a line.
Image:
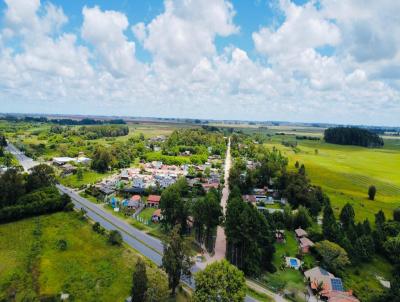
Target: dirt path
220	242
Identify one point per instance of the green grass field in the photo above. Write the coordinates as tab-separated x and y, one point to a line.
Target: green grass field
32	265
346	172
89	177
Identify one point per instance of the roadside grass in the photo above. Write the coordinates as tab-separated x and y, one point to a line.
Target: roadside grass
90	197
89	177
257	295
89	269
346	172
146	214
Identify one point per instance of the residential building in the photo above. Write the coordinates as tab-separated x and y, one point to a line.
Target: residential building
153	201
332	287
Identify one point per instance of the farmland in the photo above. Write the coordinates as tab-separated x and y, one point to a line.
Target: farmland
346	172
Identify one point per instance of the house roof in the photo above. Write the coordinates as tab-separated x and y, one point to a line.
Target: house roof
154	198
133	190
249	198
304	242
135	198
212	185
300	232
106	190
333	286
157	213
341	296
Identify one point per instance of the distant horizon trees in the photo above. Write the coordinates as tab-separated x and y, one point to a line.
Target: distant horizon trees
352	136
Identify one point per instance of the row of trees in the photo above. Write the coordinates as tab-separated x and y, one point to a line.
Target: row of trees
352	136
249	235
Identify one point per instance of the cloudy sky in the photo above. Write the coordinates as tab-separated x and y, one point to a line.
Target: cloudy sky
317	61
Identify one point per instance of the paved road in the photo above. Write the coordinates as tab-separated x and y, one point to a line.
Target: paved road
148	246
26	162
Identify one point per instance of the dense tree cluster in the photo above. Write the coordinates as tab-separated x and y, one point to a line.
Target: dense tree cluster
207	214
3	141
352	136
195	140
271	166
220	281
358	239
102	160
95	132
249	236
296	187
29	195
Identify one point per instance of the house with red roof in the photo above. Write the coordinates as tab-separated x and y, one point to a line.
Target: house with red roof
153	201
332	287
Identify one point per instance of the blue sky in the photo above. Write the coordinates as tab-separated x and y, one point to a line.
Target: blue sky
322	61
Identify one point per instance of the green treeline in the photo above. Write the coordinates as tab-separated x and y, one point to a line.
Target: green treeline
70	122
23	195
92	132
95	132
352	136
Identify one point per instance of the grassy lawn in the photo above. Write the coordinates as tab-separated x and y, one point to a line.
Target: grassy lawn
362	279
346	172
288	278
89	177
32	265
147	213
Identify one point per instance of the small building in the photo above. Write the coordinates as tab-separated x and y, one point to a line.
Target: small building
83	160
153	201
208	187
68	169
132	190
280	236
300	233
249	198
305	244
124	175
134	202
60	161
156	217
105	191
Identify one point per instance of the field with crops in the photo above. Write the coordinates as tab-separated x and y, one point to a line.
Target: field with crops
346	172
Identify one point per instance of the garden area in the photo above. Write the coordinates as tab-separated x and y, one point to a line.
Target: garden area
285	278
